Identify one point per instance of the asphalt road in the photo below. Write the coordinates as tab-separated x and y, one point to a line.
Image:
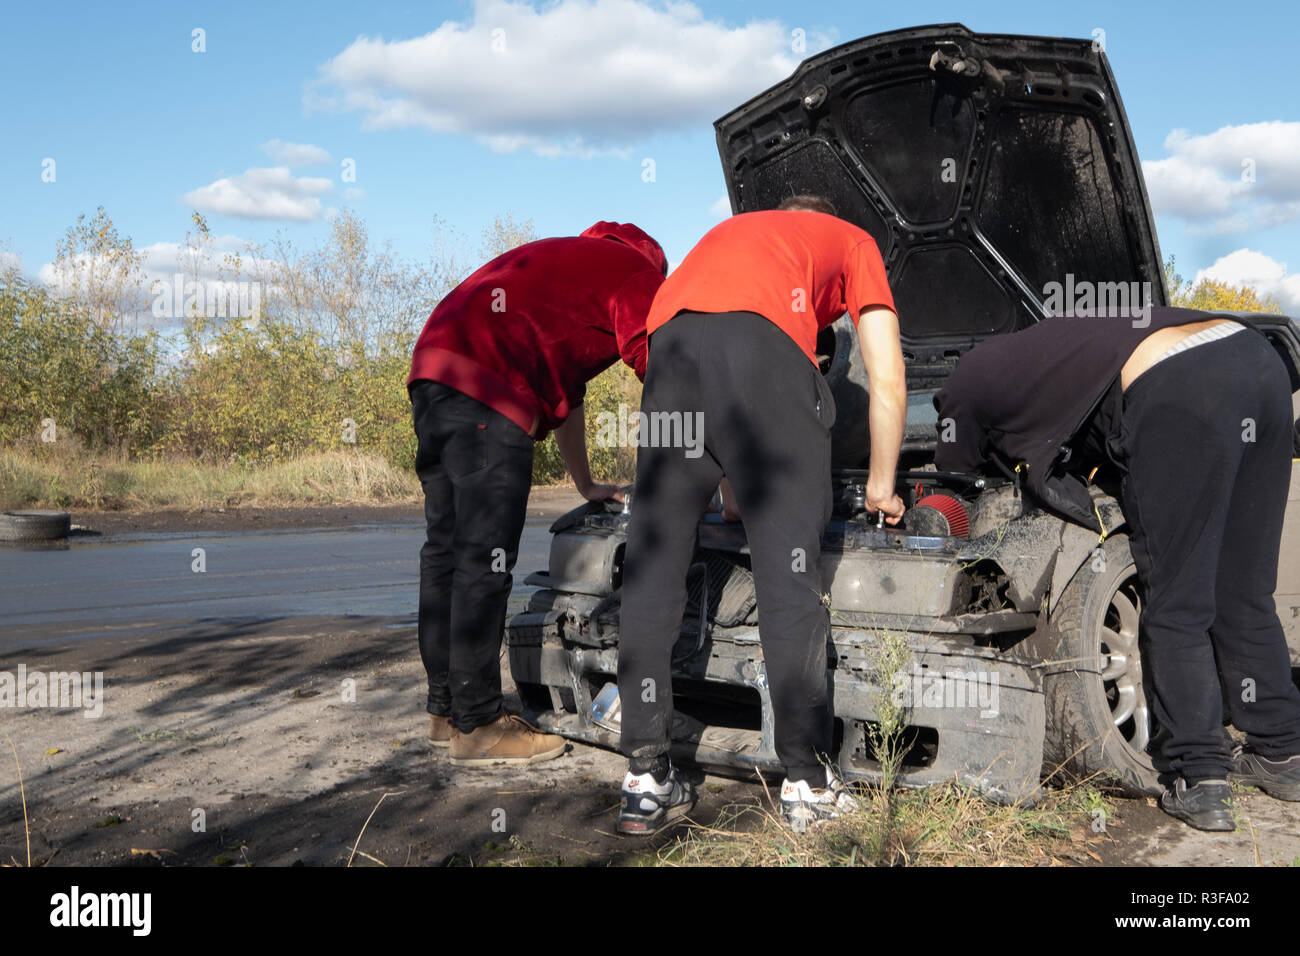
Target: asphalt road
110	586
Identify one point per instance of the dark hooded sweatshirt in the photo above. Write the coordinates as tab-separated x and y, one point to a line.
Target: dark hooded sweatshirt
526	332
1047	399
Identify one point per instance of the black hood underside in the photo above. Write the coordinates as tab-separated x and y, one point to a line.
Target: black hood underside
985	167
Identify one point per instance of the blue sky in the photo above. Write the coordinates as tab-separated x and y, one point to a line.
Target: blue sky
547	111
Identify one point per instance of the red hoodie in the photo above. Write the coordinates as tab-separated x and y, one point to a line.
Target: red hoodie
526	332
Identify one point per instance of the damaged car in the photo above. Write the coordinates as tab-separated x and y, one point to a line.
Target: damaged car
994	172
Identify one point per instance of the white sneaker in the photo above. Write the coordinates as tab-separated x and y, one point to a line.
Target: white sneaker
648	805
803	806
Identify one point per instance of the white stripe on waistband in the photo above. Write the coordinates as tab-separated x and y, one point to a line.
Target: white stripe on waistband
1213	334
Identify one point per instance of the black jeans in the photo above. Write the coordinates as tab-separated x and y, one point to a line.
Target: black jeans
766	414
476	468
1207	438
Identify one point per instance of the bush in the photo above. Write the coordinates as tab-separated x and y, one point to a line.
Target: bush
272	392
57	364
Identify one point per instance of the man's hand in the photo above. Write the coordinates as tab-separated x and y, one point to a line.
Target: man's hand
595	491
885	501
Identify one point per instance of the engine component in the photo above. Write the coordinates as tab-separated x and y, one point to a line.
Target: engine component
938	516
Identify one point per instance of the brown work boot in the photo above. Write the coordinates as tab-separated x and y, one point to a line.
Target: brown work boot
508	739
439	731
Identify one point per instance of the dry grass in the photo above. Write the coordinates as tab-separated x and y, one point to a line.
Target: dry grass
22	789
940	826
75	479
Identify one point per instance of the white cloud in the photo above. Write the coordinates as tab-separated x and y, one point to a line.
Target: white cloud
10	260
1264	274
1190	190
1230	181
1280	213
262	193
721	209
571	77
296	154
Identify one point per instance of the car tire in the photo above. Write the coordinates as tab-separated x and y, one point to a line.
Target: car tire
1098	718
34	525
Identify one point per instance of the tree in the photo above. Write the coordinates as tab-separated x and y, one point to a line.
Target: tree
506	234
99	270
356	296
1210	295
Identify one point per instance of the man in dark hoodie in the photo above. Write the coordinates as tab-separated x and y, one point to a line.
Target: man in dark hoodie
1194	411
503	361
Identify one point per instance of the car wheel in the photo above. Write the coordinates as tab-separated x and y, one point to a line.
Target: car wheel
1099	721
34	525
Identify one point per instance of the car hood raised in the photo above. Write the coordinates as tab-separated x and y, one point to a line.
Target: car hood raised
986	167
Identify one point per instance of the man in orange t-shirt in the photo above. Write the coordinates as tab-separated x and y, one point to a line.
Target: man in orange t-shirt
733	331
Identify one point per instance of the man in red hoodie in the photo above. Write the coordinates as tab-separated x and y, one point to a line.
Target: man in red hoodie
502	362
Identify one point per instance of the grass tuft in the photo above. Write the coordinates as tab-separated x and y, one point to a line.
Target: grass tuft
949	825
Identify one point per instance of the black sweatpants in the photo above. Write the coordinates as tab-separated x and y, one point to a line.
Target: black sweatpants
476	468
766	415
1207	435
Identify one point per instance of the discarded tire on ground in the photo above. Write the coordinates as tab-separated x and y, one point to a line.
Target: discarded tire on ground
1098	718
34	525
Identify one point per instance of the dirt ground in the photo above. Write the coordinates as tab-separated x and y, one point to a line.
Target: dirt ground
255	730
245	747
299	741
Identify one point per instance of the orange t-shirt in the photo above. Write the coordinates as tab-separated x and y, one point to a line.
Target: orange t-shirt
801	270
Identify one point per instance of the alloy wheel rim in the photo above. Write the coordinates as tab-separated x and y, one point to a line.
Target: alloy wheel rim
1121	672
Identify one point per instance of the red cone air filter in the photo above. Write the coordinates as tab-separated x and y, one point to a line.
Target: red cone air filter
950	508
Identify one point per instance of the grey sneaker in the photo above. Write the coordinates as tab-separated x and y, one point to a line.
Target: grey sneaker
803	806
1206	806
649	806
1277	778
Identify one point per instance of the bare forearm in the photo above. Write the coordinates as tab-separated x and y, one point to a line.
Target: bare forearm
571	439
878	339
887	416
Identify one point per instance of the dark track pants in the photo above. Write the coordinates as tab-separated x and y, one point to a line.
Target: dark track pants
1207	435
476	468
767	414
